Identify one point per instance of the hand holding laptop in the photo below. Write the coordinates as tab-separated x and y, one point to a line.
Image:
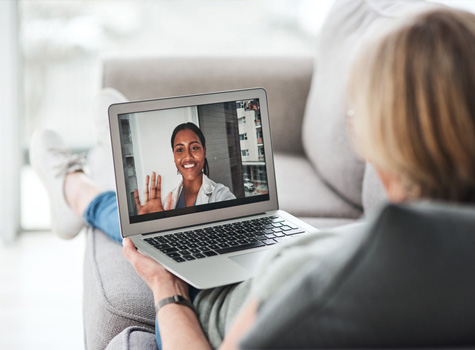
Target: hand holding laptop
162	283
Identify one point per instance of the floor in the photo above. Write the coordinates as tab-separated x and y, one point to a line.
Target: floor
41	292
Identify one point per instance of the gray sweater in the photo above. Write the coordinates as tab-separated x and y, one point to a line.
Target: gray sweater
218	307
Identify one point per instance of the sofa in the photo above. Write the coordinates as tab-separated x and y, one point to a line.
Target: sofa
319	177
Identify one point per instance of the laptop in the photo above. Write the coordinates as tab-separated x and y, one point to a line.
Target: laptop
235	220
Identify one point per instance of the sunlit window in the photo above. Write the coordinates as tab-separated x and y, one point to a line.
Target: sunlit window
62	44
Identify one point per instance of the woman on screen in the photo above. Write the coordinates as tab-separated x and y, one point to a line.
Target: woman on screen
189	152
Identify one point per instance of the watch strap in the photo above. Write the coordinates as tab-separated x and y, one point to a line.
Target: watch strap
176	299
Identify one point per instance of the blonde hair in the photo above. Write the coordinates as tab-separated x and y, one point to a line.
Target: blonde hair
413	96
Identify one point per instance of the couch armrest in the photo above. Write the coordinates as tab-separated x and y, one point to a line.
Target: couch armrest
286	79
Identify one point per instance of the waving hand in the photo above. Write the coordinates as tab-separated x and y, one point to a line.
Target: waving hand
153	196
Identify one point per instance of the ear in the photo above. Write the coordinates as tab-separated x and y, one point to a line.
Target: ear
392	185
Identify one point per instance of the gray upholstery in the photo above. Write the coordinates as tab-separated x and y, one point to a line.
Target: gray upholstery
325	140
115	297
286	80
133	338
373	195
409	283
302	193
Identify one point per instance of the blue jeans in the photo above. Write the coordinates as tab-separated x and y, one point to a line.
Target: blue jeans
102	213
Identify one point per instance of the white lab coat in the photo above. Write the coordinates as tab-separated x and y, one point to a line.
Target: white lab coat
210	192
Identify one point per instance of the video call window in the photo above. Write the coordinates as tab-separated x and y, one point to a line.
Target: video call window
235	164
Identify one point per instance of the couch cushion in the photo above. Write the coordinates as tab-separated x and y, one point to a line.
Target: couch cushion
286	80
133	338
407	283
324	133
115	297
302	193
374	195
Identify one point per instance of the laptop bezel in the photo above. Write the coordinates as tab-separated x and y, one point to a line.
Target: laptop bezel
192	219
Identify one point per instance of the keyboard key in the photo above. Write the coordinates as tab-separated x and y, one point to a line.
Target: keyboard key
188	257
209	253
269	242
179	259
199	256
173	254
161	246
168	250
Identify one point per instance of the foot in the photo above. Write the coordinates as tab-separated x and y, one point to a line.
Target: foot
52	161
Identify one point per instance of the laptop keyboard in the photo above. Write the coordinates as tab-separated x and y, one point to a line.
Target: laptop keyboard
222	239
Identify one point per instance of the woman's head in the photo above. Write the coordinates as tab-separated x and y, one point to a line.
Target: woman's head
189	150
412	93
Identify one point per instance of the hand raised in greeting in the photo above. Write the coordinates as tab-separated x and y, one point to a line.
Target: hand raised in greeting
153	196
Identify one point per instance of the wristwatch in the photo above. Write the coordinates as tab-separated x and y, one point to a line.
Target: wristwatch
176	299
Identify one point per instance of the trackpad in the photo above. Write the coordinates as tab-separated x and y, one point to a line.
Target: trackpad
249	261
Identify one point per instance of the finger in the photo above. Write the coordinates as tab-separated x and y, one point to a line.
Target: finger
153	186
147	181
168	203
159	187
137	199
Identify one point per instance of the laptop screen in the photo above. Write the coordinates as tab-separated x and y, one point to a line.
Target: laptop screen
192	159
188	160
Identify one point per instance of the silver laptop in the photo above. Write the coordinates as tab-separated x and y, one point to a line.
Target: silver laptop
235	219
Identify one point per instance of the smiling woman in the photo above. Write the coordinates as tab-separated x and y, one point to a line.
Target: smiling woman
189	152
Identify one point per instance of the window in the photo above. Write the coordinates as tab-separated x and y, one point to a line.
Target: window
241	120
243	137
259	135
62	43
245	153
